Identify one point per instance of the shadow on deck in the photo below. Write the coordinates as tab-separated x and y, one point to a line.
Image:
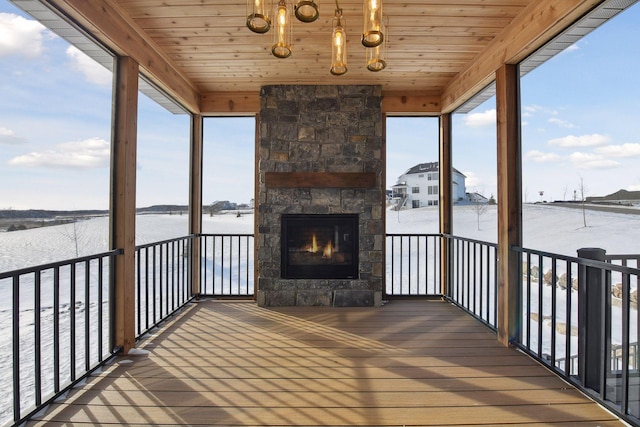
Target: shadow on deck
407	363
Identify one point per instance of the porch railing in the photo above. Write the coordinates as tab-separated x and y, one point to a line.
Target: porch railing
56	324
580	318
226	265
473	280
163	280
413	265
60	309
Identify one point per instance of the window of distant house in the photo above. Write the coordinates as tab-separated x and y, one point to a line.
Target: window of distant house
421	175
433	189
432	177
415	190
415	203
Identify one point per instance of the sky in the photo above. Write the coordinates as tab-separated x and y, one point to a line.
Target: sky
580	130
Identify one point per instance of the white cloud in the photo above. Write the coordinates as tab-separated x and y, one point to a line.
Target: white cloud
624	150
92	71
561	123
540	157
20	36
7	136
571	48
580	141
486	118
88	154
530	110
591	161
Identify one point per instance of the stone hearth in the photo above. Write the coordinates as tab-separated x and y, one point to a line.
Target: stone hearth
321	152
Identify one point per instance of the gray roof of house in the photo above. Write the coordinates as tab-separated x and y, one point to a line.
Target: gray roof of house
427	167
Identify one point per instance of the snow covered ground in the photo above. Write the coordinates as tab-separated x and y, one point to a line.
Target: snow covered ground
546	227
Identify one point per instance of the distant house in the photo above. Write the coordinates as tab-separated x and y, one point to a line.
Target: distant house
620	197
419	186
477	198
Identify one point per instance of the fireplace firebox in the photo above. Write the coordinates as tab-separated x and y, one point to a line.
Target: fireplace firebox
320	246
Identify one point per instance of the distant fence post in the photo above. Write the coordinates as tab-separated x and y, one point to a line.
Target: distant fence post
591	318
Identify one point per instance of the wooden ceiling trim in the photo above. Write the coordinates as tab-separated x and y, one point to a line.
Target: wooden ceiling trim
530	30
243	103
230	103
105	21
403	104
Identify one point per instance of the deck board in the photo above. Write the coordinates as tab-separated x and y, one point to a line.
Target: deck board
407	363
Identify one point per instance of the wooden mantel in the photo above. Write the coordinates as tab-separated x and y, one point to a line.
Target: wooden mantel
319	180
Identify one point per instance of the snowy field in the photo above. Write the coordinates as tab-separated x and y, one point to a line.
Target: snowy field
546	227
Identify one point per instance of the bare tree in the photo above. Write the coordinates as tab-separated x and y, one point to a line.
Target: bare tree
73	231
216	207
479	206
583	190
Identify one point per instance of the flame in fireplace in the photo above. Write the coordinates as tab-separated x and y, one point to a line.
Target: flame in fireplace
328	251
314	245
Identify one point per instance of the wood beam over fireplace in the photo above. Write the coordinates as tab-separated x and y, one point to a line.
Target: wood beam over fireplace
319	180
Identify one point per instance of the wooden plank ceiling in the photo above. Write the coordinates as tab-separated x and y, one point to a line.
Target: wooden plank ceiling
439	52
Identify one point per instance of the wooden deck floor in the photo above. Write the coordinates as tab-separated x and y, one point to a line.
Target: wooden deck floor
407	363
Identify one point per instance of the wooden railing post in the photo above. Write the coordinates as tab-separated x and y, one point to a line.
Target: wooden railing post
195	199
446	198
123	200
509	201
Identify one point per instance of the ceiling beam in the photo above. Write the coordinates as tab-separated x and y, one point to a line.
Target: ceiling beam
230	103
248	103
108	23
536	25
410	104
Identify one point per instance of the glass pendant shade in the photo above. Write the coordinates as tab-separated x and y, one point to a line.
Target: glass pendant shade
258	16
338	46
376	56
307	10
282	35
372	35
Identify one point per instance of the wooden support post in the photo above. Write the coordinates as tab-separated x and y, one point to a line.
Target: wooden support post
257	191
123	200
509	201
195	199
445	198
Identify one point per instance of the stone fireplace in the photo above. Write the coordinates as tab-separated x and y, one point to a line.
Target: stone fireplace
320	160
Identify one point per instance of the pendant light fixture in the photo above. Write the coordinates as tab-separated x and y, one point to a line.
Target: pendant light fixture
282	36
307	10
372	35
338	44
376	56
373	38
258	16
